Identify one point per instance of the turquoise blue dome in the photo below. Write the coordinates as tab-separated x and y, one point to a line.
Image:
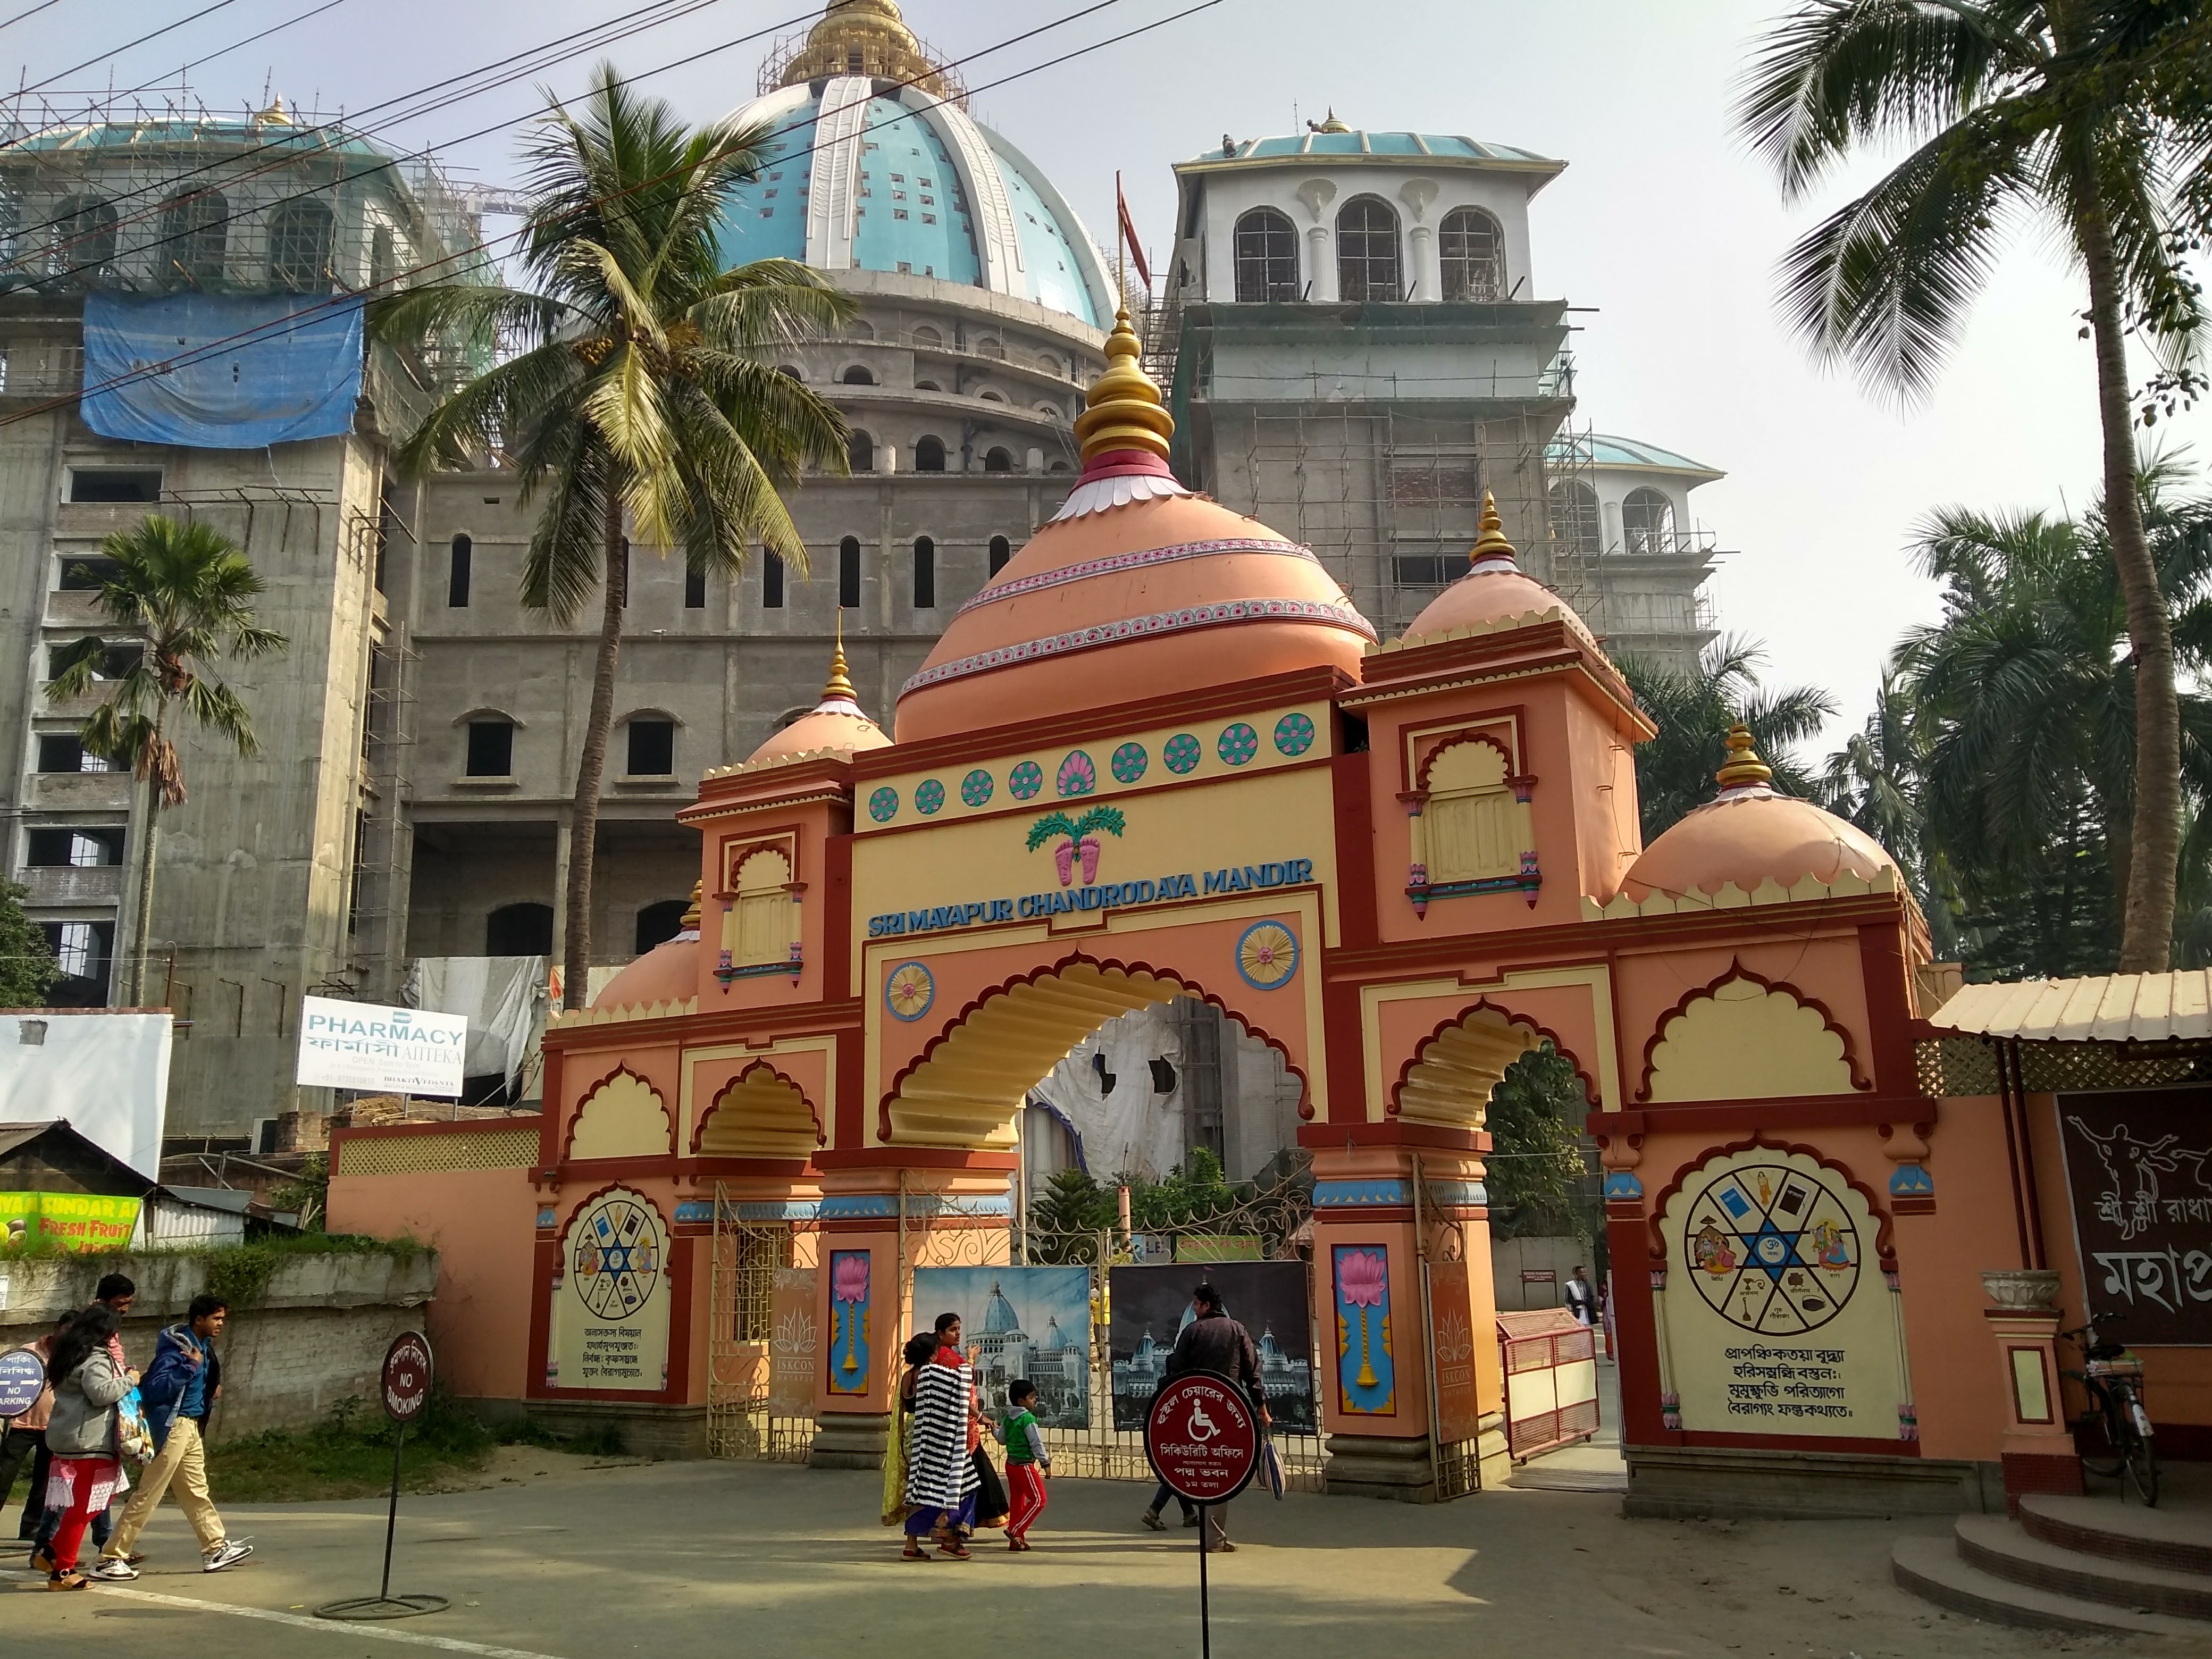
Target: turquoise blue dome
998	1313
860	174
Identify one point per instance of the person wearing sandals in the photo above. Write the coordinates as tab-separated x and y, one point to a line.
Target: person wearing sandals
83	1467
941	1481
898	1450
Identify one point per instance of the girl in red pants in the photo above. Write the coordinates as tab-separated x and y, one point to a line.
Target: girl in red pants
87	1382
1027	1461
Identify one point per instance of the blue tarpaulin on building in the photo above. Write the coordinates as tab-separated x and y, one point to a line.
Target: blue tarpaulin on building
220	371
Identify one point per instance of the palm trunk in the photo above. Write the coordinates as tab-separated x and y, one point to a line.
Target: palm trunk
2154	844
584	816
141	922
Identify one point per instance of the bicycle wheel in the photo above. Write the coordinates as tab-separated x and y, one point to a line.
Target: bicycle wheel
2142	1469
2104	1440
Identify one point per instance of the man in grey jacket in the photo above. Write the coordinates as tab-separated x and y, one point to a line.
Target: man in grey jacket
1213	1342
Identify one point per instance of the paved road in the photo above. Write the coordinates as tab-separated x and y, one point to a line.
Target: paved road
677	1560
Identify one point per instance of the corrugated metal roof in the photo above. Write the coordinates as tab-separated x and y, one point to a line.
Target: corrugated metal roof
2108	1008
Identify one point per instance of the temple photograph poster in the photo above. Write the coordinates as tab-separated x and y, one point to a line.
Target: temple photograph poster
1151	1306
1031	1322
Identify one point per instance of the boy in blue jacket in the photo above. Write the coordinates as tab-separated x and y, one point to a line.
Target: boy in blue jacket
179	1390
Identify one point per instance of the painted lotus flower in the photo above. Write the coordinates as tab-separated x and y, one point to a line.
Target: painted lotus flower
850	1283
1361	1277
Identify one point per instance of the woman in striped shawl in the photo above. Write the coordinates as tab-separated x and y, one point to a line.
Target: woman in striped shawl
941	1479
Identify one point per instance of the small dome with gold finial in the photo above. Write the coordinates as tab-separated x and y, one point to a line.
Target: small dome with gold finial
1750	833
1137	588
835	724
667	973
1495	594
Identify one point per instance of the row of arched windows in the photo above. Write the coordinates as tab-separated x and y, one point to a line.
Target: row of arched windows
1370	265
192	244
929	455
1647	520
923	570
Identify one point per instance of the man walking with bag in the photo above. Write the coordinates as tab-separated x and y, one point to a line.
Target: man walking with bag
179	1390
1214	1342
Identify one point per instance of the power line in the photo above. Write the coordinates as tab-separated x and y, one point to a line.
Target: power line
32	11
262	333
116	51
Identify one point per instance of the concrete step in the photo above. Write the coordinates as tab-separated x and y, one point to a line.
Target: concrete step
2003	1549
2178	1537
1931	1568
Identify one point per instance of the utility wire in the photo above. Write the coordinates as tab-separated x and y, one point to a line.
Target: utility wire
32	11
116	51
393	163
262	333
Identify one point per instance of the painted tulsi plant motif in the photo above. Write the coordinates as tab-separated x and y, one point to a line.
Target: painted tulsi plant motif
1080	839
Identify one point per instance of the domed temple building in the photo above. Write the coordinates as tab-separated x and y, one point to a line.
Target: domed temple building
1161	760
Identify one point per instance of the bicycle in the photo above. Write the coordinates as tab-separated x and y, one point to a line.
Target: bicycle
2116	1431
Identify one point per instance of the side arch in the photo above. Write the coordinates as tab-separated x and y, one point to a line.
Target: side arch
965	1087
1745	1037
1465	1058
621	1115
762	1113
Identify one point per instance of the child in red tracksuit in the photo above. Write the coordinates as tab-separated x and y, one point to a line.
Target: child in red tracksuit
1027	1461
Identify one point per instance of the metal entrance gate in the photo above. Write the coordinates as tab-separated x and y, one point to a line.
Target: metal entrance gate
740	1331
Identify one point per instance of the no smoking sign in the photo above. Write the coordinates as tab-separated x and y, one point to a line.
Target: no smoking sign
1202	1437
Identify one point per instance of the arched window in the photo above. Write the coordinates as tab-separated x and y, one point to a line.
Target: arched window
1053	409
659	923
929	455
1266	257
1367	251
859	374
928	339
1060	466
760	926
1575	521
990	346
860	452
791	371
1047	363
998	460
1475	827
927	385
1001	550
925	573
992	397
520	930
861	330
457	577
299	247
195	236
1472	248
771	580
848	573
1647	522
84	237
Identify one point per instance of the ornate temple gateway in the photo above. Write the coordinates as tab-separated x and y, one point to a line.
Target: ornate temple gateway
1160	756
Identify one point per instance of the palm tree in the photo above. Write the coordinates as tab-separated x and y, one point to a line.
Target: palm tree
2067	112
2024	708
188	593
1694	712
1875	781
636	399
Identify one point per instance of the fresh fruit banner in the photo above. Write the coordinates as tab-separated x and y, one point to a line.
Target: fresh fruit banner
76	1221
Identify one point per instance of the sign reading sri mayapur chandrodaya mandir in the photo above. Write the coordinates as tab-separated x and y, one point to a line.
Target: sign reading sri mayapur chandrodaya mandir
359	1045
1104	896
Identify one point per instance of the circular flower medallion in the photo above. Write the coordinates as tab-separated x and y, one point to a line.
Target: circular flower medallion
1294	734
1239	743
1267	955
1130	761
975	788
929	798
909	990
882	805
1181	753
1028	778
1079	773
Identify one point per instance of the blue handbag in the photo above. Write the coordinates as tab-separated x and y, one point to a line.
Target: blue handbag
1271	1465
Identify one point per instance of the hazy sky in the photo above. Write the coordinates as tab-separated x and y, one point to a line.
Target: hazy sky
1662	226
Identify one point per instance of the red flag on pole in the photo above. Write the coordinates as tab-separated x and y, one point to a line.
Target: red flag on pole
1129	234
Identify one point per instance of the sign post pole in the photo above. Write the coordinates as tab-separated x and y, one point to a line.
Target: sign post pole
406	1390
1202	1439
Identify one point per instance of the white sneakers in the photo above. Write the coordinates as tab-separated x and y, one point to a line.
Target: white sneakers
227	1555
112	1572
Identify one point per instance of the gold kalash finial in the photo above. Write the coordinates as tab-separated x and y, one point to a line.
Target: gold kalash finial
1125	409
1492	552
689	921
1744	768
840	682
865	37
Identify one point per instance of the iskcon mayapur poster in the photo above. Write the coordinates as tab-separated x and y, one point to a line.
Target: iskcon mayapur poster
1031	1322
1151	1306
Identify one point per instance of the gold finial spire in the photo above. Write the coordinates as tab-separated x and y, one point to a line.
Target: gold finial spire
840	682
1332	124
276	115
689	921
1744	767
1492	551
1125	409
865	37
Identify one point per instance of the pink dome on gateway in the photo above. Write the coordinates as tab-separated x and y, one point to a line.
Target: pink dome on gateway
1495	593
1748	835
667	973
1136	588
835	725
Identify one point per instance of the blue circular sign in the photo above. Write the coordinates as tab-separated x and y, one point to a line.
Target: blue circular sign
22	1380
